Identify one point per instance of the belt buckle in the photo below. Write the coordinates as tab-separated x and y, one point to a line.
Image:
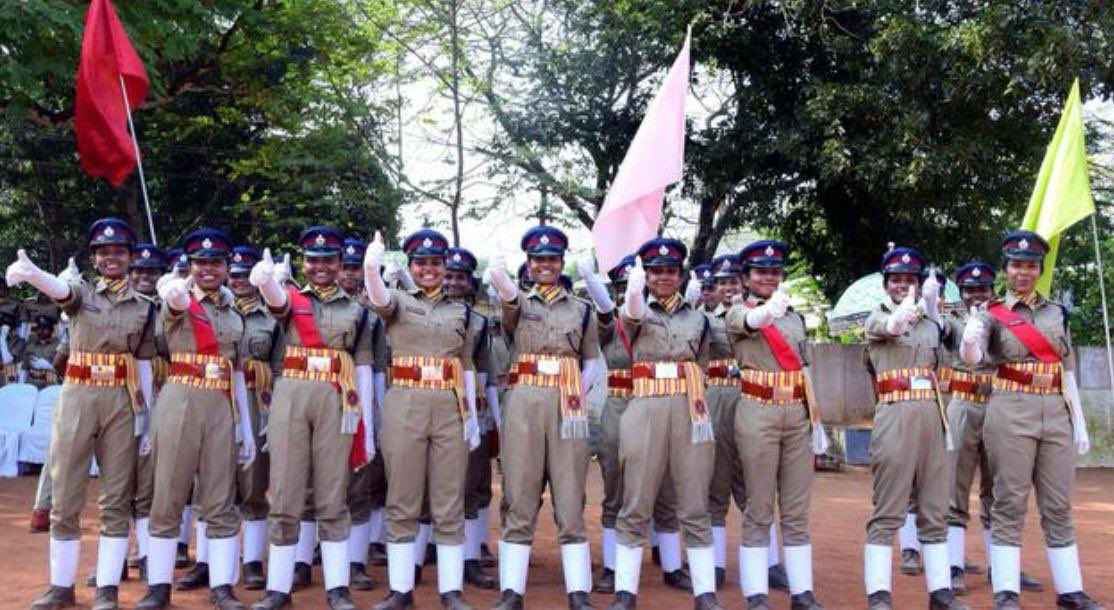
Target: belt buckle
920	382
549	366
1042	380
319	364
213	371
666	370
783	392
432	372
102	372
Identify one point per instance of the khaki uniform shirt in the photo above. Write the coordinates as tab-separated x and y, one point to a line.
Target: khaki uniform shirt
101	323
342	323
566	327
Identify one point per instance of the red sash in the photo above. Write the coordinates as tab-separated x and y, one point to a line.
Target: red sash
203	333
623	338
1026	333
301	314
783	352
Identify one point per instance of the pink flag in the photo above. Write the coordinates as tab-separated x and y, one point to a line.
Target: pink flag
631	213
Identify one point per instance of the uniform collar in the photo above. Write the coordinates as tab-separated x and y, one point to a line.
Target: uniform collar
535	294
1012	299
102	287
222	297
335	296
655	301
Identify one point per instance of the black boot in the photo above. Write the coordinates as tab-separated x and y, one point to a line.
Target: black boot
511	600
182	559
777	578
487	560
911	562
475	575
624	600
223	598
454	600
1007	600
706	601
721	577
880	600
303	576
655	555
804	601
377	554
677	579
959	582
108	598
579	600
417	575
196	578
606	582
1030	583
272	600
338	598
55	598
141	564
944	599
430	554
395	601
252	575
1077	600
157	598
760	601
358	577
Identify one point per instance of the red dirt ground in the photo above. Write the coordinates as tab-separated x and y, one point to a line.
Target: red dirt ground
841	504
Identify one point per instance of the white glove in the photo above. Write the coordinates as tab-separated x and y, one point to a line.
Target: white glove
41	363
493	406
5	355
284	272
390	271
898	322
247	450
365	391
175	291
692	290
930	299
635	301
779	302
596	290
472	421
1075	403
23	270
376	289
70	273
145	444
405	280
264	277
146	375
975	334
819	439
497	274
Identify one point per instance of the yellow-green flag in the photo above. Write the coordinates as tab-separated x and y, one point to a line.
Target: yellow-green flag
1062	195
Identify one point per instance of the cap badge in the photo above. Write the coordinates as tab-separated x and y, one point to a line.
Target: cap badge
427	243
206	243
350	250
663	250
905	258
544	240
1023	244
769	250
457	257
976	272
146	253
238	257
108	231
319	240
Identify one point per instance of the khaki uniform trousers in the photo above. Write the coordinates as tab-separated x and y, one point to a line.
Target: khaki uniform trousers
1029	440
776	448
306	444
252	483
908	454
965	418
607	453
533	453
477	486
727	476
90	421
423	440
193	435
656	439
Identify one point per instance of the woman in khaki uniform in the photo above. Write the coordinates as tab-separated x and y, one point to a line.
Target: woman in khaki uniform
667	426
776	430
908	444
429	416
616	352
322	401
1034	423
263	350
102	410
201	420
556	356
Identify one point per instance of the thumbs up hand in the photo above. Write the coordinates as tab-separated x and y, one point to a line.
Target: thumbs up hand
22	269
373	257
264	271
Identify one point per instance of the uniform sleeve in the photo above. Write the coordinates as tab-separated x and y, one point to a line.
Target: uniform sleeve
1068	358
590	342
467	355
511	311
606	325
278	349
630	326
804	350
388	311
363	350
875	326
72	303
146	349
481	355
380	353
736	321
704	352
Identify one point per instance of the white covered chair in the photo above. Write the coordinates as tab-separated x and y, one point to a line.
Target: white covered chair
17	409
34	443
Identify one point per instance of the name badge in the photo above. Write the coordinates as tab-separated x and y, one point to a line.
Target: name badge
213	371
665	370
319	364
102	372
549	367
432	372
920	383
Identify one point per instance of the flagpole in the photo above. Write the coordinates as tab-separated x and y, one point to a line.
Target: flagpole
139	163
1105	313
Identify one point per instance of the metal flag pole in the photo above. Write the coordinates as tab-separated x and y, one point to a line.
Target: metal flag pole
139	163
1105	312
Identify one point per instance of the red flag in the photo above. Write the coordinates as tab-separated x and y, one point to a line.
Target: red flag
100	117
